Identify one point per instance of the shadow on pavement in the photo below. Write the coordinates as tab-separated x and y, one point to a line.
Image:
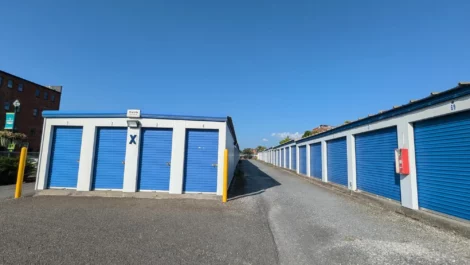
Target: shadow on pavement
253	181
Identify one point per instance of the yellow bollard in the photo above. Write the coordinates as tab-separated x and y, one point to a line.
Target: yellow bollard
225	185
21	166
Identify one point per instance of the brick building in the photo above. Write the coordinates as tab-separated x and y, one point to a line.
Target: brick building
33	98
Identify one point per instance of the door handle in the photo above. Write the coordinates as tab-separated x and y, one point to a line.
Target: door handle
168	164
123	162
214	165
78	161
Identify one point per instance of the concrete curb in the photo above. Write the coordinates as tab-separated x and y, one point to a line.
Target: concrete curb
429	218
120	194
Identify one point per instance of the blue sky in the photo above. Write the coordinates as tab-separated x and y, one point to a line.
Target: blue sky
274	66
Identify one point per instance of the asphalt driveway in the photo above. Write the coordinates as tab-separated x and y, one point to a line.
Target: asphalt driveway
8	191
273	217
314	225
79	230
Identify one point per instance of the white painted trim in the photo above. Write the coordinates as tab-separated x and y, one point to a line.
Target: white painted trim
307	157
351	153
87	160
408	183
405	132
462	104
297	161
131	166
324	161
87	151
177	158
196	192
220	162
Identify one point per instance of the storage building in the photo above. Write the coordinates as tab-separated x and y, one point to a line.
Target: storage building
417	154
132	152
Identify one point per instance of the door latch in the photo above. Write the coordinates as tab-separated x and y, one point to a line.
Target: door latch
123	162
214	165
168	164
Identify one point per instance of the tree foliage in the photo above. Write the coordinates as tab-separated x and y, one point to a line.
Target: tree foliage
9	169
260	148
307	134
285	140
247	151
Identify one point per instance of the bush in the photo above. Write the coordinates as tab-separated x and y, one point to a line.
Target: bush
9	169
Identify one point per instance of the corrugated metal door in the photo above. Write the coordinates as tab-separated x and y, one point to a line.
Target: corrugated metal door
442	160
294	157
155	158
65	157
337	161
315	160
200	166
110	155
303	160
375	163
287	157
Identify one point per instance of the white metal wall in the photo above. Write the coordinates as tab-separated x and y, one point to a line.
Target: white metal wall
405	132
233	155
85	173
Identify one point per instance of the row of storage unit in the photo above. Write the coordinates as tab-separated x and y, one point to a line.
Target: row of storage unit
417	154
133	152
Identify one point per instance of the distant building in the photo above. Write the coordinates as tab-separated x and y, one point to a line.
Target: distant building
321	128
33	98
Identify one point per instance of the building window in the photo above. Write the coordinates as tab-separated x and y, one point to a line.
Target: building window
53	98
10	83
46	95
6	105
1	80
38	92
35	112
20	87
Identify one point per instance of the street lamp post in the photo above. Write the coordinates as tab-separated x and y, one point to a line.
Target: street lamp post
17	105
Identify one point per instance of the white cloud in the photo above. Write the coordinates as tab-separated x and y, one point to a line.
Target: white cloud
265	140
283	135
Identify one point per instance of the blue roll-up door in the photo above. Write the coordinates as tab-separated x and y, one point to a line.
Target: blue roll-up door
303	160
65	157
337	161
443	164
315	160
287	157
201	158
294	157
375	163
110	155
155	158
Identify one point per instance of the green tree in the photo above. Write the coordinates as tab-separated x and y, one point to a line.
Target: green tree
307	134
260	148
285	140
247	151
